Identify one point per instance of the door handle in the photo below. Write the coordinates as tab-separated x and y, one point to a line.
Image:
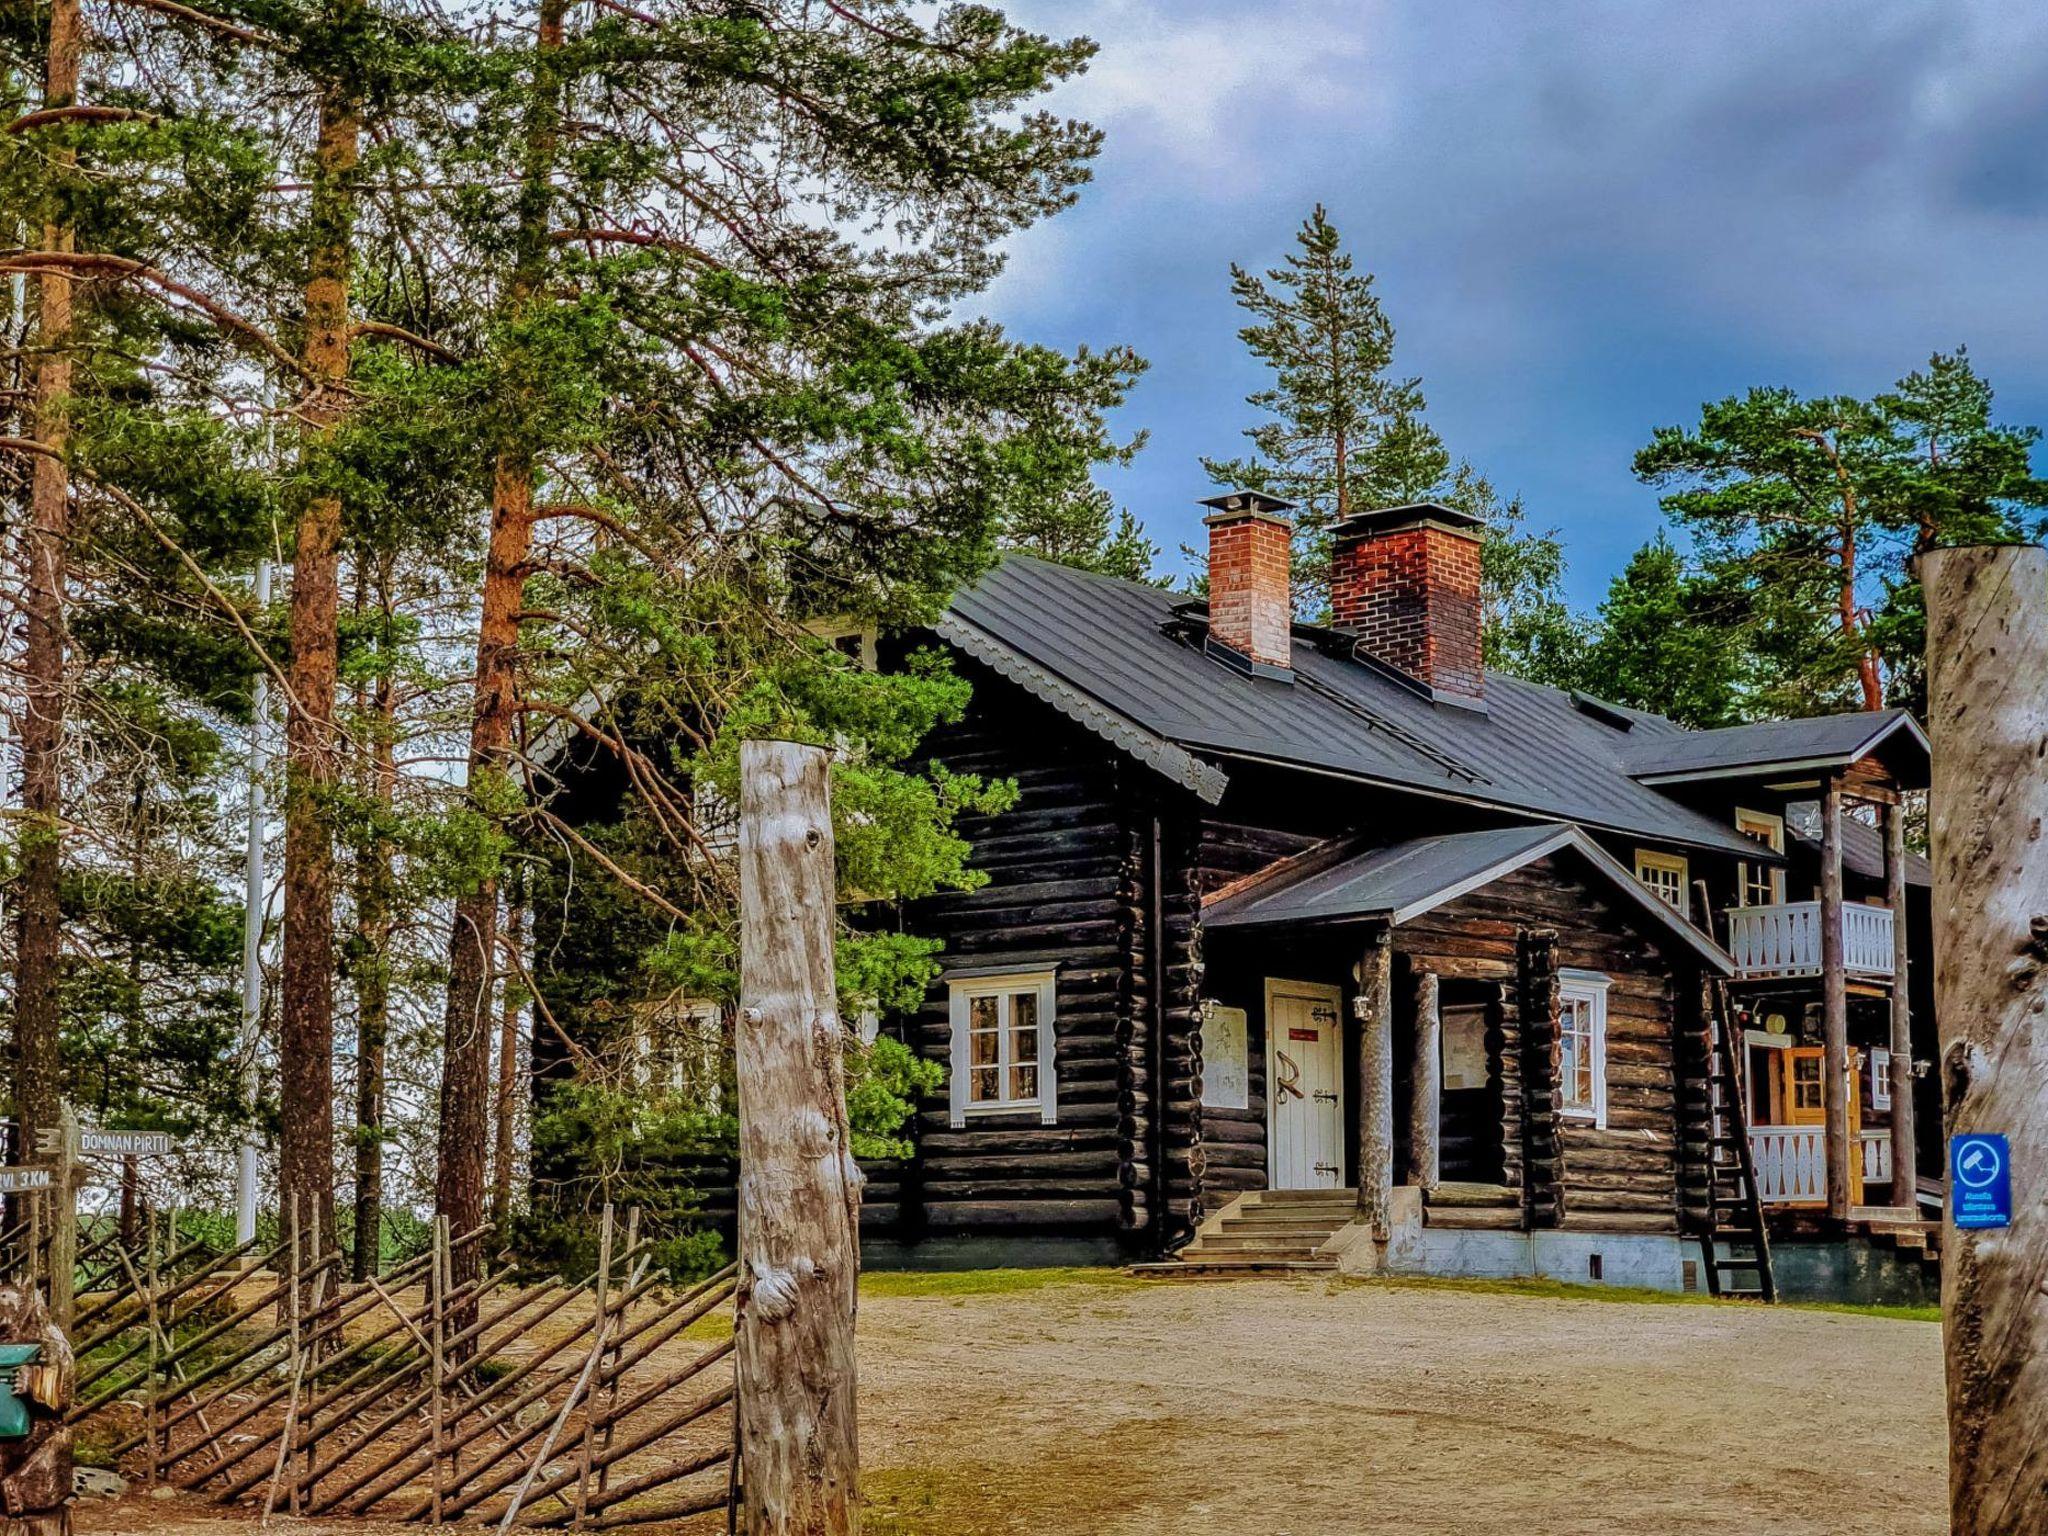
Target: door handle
1287	1081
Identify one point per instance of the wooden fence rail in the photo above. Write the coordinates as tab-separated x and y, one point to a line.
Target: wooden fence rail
259	1374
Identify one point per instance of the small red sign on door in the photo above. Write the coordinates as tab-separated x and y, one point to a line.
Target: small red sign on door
1304	1034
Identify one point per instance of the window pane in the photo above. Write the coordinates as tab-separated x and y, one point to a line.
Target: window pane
1024	1026
1024	1082
981	1012
982	1047
983	1085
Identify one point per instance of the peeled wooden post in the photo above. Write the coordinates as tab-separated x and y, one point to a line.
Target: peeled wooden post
1987	656
1834	1011
1426	1086
799	1189
1905	1135
1375	1009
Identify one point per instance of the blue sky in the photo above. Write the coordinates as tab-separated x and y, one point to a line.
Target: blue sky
1585	219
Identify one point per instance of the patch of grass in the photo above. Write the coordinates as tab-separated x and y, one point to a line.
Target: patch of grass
1558	1290
1855	1309
988	1282
928	1501
93	1447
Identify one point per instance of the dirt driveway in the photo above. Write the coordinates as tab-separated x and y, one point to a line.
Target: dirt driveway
1061	1406
1297	1408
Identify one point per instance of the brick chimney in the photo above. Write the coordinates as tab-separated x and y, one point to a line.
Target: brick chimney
1406	580
1251	609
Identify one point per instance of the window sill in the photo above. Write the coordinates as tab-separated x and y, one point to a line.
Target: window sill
1014	1107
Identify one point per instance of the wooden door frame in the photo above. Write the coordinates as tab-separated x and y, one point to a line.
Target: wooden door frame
1317	989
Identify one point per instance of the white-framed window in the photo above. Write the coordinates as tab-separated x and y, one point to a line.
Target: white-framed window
1666	874
1003	1046
1880	1077
1582	1036
680	1048
853	638
1760	884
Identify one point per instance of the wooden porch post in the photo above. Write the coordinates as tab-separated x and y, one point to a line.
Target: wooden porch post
1987	651
1905	1141
799	1190
1834	1007
1426	1086
1375	1009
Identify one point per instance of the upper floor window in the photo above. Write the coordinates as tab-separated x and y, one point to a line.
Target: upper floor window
1760	884
1003	1045
852	638
1582	1040
1664	873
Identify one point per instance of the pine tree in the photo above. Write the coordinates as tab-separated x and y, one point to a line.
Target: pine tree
1346	434
1665	643
1807	509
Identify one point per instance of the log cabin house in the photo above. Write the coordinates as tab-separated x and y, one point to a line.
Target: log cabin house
1322	946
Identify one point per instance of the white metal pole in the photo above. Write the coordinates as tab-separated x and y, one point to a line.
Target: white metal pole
254	905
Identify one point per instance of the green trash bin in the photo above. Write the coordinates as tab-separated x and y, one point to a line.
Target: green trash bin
14	1419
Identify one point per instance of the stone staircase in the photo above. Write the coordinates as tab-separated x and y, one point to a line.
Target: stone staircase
1263	1232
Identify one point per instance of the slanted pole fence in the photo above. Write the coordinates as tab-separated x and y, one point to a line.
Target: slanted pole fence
410	1396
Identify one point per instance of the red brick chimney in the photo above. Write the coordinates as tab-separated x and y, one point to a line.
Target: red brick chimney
1406	580
1251	609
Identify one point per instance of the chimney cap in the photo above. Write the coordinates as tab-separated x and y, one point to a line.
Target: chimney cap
1386	519
1232	505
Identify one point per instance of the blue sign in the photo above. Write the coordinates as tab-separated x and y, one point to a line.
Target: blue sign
1980	1181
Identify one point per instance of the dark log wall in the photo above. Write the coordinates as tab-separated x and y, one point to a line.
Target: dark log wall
1233	1142
1626	1177
1067	869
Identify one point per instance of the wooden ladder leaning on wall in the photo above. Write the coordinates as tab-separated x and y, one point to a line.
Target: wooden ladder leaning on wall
1737	1209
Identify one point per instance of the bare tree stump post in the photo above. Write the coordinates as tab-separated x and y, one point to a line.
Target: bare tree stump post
799	1188
66	1179
35	1472
1426	1087
1987	656
1375	1009
1905	1133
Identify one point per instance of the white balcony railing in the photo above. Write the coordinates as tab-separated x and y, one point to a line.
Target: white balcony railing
1792	1164
1784	940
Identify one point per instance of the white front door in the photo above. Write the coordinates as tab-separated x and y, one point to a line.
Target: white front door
1304	1086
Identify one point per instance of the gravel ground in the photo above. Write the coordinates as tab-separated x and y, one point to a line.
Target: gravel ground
1001	1406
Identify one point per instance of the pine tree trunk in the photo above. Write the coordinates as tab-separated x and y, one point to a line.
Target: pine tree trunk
306	990
472	949
373	983
508	1076
472	945
1987	651
38	1068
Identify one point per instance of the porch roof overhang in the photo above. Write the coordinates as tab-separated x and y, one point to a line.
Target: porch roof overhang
1774	748
1344	881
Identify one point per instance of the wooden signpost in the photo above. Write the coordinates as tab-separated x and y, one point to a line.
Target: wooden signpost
1987	671
799	1190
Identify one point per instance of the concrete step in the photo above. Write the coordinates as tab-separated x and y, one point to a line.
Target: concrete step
1236	1226
1301	1196
1301	1247
1232	1269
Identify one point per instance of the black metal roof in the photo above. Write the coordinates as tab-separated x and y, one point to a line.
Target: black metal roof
1345	883
1782	746
1124	660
